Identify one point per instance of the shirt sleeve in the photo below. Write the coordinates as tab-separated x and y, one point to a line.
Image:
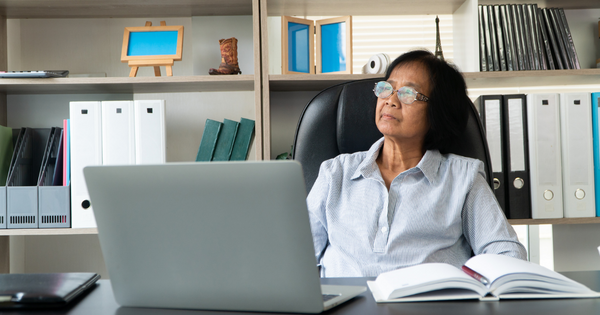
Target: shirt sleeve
316	202
484	224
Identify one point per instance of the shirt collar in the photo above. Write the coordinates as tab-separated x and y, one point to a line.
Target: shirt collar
369	166
429	164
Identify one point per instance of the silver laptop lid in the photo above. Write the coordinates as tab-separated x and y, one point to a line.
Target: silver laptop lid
223	236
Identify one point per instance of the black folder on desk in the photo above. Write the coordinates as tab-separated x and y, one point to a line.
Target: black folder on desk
43	290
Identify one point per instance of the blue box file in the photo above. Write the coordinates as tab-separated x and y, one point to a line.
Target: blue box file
54	206
22	207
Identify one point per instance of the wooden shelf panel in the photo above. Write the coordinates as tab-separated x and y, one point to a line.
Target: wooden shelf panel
533	78
21	9
481	80
312	82
65	231
554	221
128	85
398	7
569	5
360	7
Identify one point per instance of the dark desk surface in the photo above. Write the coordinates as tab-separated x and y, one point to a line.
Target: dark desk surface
100	301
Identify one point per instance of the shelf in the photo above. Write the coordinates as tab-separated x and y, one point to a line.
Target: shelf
569	5
25	9
554	221
312	82
65	231
398	7
475	80
128	85
532	78
360	7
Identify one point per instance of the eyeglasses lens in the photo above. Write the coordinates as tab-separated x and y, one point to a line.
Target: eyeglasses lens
383	89
407	95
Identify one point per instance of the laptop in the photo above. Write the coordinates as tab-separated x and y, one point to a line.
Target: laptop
34	74
210	235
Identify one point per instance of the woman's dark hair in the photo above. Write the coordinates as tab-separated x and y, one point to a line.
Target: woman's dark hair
448	105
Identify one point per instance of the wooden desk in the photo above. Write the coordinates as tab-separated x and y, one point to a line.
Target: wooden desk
100	301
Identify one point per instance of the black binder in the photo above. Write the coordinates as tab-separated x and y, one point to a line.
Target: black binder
500	38
482	42
489	47
516	157
553	40
527	37
509	41
568	38
533	11
43	290
519	52
562	46
492	117
493	38
518	11
546	45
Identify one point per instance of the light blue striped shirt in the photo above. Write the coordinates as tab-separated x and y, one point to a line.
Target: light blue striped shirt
438	211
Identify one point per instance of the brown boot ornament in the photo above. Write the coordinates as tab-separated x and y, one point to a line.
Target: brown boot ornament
229	59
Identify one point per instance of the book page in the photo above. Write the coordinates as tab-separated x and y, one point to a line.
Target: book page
423	278
508	274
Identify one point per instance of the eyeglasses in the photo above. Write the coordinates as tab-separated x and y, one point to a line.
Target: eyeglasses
406	94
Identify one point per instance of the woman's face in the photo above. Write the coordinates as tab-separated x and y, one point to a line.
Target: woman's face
405	122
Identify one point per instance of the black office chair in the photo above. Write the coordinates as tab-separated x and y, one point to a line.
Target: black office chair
341	119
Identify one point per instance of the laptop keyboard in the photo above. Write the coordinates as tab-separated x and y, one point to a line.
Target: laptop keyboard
327	297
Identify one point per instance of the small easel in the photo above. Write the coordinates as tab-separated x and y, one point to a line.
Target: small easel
152	61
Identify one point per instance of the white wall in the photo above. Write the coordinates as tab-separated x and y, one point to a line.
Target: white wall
207	32
584	28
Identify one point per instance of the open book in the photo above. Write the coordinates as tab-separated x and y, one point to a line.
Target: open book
506	278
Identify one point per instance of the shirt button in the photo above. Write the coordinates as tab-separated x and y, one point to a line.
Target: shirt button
384	229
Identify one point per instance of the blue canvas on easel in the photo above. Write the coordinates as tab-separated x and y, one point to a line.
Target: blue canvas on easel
152	43
298	48
333	47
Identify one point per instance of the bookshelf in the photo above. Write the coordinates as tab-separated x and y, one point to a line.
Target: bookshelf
76	32
209	95
279	89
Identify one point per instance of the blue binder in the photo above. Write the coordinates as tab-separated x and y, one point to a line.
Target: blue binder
596	139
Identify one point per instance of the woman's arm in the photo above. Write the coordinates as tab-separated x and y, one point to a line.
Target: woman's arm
316	202
484	224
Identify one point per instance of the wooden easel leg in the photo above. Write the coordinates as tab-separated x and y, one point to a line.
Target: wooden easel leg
133	71
169	71
157	71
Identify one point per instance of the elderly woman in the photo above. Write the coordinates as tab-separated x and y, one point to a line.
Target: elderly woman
403	203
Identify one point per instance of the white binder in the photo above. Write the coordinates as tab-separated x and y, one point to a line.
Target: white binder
150	135
577	155
545	163
86	149
118	133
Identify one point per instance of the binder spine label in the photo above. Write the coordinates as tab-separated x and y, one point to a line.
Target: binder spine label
516	135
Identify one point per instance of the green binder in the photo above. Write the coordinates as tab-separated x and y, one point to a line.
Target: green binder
225	140
209	140
6	152
241	145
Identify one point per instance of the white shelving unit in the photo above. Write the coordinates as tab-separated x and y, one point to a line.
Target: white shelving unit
85	37
279	90
275	101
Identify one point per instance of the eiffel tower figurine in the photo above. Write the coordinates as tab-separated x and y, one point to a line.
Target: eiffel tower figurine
438	42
